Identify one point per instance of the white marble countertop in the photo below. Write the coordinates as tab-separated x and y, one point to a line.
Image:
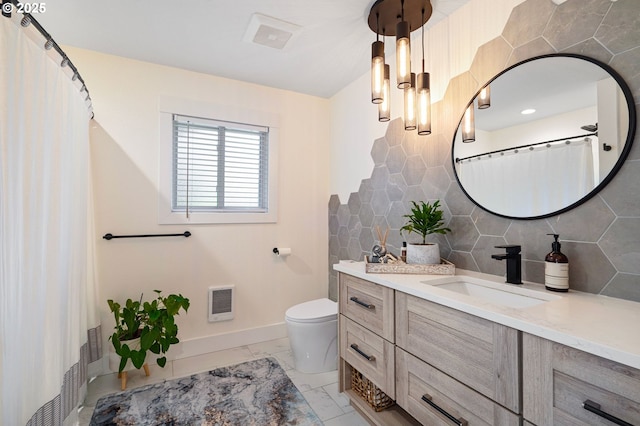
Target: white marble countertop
600	325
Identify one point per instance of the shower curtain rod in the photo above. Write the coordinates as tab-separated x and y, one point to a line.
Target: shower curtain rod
515	148
29	19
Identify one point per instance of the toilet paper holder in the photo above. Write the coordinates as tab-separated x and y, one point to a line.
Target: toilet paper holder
280	251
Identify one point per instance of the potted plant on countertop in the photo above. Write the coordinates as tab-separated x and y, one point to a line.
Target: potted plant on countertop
142	327
425	219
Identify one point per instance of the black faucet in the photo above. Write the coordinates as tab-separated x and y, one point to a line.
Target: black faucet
513	258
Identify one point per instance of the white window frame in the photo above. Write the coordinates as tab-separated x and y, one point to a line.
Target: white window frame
167	108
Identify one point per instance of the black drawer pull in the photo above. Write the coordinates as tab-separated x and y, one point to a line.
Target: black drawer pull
594	407
362	354
460	422
363	304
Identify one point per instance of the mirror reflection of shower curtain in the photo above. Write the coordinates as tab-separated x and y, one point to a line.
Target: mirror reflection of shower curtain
530	182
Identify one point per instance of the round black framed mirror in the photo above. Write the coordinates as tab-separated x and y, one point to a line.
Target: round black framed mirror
544	136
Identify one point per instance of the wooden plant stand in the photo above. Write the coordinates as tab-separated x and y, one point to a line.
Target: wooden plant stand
123	376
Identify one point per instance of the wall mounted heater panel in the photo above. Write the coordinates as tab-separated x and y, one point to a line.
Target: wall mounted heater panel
221	303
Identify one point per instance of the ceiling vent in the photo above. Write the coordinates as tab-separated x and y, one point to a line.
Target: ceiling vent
270	32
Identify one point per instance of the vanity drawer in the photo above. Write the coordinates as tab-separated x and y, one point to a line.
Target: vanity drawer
559	380
480	353
370	305
418	382
368	353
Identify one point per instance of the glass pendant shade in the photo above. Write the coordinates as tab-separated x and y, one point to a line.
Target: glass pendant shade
410	104
423	94
484	98
403	55
468	126
384	112
377	72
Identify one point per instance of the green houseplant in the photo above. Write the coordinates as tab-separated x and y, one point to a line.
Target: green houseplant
152	322
425	219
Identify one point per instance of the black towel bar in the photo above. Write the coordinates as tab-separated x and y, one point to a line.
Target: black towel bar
111	236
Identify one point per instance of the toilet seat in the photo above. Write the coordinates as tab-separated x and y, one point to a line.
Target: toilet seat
314	311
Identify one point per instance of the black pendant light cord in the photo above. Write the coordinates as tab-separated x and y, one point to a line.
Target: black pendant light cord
423	39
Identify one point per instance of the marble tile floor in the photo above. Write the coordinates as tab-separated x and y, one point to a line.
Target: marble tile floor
320	390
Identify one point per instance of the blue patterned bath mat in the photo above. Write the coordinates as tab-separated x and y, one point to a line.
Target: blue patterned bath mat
252	393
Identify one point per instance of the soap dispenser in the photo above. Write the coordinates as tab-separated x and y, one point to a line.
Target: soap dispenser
556	268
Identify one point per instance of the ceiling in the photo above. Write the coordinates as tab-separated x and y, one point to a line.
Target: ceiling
331	49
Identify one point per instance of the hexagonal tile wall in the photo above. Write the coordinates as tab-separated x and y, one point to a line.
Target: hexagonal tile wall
601	237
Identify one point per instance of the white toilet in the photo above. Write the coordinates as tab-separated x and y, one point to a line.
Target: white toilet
313	335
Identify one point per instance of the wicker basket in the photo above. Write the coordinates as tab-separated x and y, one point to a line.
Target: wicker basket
369	392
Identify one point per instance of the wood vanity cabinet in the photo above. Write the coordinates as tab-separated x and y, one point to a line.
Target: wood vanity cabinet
566	386
442	366
445	367
455	368
366	342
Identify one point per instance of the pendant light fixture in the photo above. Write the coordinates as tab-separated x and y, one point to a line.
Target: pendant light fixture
410	104
403	51
423	94
377	68
484	97
398	18
384	109
468	125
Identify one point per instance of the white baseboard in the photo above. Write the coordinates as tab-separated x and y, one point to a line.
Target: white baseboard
207	344
220	342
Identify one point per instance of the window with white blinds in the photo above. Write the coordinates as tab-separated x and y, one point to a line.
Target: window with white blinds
219	166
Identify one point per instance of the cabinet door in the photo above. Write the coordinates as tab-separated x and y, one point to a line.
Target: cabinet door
368	353
566	386
370	305
434	398
479	353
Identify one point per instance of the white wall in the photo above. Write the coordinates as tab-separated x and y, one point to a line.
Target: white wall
124	143
449	49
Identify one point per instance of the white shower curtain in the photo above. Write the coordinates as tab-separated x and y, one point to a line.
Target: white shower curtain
530	182
49	328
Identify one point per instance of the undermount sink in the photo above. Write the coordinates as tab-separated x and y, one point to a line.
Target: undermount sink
502	294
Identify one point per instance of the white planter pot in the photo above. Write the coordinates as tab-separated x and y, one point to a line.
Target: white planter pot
423	254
